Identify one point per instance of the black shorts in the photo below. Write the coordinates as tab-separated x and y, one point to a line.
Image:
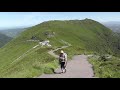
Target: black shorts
62	65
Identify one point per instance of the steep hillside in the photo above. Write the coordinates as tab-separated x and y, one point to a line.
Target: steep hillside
20	59
4	39
12	32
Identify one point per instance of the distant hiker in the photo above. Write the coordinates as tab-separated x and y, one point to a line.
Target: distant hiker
63	61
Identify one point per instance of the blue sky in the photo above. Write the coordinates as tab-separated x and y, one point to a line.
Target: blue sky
19	19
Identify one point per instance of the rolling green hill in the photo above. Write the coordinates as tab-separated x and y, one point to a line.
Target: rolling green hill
4	39
86	36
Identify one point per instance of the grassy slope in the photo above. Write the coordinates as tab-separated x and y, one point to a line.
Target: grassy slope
106	69
86	36
12	32
4	39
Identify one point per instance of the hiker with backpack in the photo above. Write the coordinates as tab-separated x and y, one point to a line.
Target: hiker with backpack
63	61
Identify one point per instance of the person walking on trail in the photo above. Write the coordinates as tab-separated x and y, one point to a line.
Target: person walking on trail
63	61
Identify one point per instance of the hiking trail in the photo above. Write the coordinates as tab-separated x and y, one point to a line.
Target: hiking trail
78	67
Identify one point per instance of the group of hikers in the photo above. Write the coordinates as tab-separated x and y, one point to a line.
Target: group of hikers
63	61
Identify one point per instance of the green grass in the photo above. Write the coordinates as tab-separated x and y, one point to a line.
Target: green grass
86	36
35	63
106	69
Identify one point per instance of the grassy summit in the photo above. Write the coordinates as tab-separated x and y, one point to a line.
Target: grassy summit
86	36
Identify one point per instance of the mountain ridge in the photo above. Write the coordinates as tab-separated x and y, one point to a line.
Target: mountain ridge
86	36
4	39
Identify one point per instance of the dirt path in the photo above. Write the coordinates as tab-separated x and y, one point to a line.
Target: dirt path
78	67
52	51
23	55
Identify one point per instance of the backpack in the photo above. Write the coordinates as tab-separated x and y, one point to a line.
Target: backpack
63	57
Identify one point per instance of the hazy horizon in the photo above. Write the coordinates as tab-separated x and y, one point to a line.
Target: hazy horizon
27	19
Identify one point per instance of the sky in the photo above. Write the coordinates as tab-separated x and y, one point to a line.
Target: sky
26	19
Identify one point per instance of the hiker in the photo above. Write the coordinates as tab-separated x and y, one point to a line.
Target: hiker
63	61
